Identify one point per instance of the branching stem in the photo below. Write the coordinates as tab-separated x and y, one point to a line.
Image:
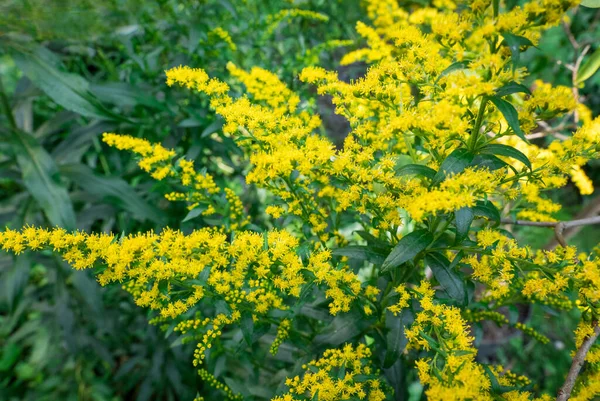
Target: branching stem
559	226
578	360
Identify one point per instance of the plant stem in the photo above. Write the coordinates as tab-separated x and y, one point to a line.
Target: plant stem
477	126
6	106
559	226
578	360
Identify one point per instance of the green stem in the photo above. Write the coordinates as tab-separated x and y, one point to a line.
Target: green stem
6	107
477	126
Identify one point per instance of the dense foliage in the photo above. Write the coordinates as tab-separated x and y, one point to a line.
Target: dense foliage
281	266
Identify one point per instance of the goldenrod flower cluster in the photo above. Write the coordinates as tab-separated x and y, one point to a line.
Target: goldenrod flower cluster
338	375
398	222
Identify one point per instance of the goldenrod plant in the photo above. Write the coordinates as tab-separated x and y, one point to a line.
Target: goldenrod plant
379	258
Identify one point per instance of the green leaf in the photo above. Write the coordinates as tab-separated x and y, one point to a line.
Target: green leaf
505	150
510	114
459	65
512	87
395	339
590	67
455	163
495	7
450	281
195	212
487	210
463	218
342	329
247	327
515	43
41	178
68	90
10	355
124	95
416	169
112	190
490	162
590	3
360	252
407	248
373	241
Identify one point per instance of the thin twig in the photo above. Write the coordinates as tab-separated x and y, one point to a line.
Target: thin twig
559	226
578	360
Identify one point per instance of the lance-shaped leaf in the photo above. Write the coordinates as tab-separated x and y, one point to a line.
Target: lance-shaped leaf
505	150
449	279
590	67
407	248
41	178
455	163
363	253
510	115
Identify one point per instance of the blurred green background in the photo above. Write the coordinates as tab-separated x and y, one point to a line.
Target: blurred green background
72	69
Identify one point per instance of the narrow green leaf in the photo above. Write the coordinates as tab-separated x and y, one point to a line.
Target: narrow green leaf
10	355
505	150
68	90
449	279
360	252
41	178
455	163
195	212
515	43
512	87
510	114
495	7
373	241
112	190
459	65
590	66
463	218
395	339
247	327
407	248
416	169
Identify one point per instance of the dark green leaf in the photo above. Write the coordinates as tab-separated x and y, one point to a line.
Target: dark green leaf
449	279
512	87
505	150
112	190
359	252
40	176
124	95
495	7
416	169
515	43
459	65
395	339
68	90
342	329
373	241
10	353
510	114
463	218
487	210
490	162
455	163
247	327
407	248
